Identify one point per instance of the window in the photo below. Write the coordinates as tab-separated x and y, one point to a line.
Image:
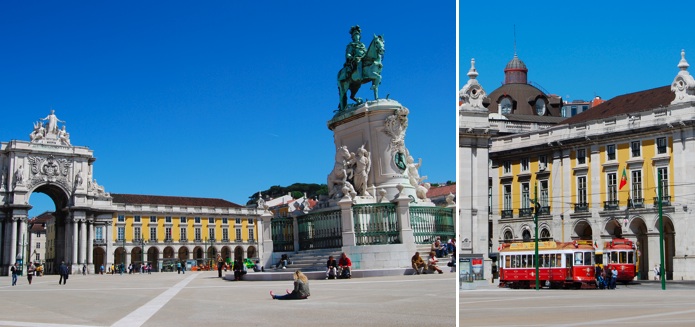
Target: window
542	162
489	195
612	187
250	221
663	174
211	220
121	233
183	220
250	234
121	218
196	220
238	221
167	219
153	219
610	152
581	156
136	233
99	233
508	236
38	245
136	219
153	233
636	184
506	106
211	233
238	234
581	189
524	164
167	233
525	200
661	147
197	234
635	149
540	107
225	221
184	233
225	233
507	197
507	166
544	193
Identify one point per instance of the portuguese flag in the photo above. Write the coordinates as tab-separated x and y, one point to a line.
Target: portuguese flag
623	180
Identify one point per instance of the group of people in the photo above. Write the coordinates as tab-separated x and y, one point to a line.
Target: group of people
605	277
339	269
422	267
15	270
441	249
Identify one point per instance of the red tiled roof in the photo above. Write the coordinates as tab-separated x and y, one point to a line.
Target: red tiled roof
172	200
40	221
626	104
441	191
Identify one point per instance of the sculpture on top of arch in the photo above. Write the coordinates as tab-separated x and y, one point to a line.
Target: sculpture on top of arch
49	133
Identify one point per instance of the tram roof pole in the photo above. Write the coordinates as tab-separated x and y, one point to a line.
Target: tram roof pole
661	235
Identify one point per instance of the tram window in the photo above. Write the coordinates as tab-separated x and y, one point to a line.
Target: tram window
578	258
547	262
630	257
614	257
523	261
507	261
623	256
568	260
558	260
587	258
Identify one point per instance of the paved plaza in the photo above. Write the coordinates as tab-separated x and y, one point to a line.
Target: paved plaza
202	299
643	304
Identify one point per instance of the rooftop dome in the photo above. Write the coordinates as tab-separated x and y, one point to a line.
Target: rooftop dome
515	72
516	63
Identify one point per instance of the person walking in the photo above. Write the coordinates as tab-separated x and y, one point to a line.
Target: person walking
178	267
657	275
14	270
30	272
614	277
220	265
63	271
84	269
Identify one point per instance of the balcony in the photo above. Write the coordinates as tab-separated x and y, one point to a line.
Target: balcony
610	205
665	201
581	207
183	240
636	203
99	241
525	212
508	213
544	210
225	240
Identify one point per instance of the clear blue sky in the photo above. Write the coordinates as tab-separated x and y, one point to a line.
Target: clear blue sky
220	99
578	49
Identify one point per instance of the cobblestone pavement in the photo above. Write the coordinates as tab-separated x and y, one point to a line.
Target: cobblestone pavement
202	299
643	304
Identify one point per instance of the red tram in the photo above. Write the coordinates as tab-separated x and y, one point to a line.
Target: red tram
561	264
620	254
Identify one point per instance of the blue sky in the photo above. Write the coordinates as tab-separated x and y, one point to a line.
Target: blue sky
578	49
221	99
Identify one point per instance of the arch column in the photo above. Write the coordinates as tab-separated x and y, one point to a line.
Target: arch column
13	241
90	243
83	242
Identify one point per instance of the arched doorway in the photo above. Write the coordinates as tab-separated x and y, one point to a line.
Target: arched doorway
183	253
119	256
637	230
99	259
226	253
152	257
251	252
168	252
136	256
199	255
526	235
582	231
669	245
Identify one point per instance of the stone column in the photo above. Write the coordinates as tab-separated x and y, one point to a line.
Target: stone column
403	214
347	221
266	239
22	237
75	239
90	244
83	242
109	248
295	234
13	241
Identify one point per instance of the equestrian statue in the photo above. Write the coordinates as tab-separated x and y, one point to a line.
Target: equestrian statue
362	65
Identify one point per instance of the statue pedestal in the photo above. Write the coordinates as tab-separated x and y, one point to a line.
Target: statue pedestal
380	127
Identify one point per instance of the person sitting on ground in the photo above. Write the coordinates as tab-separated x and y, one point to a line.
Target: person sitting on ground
301	288
257	267
418	264
439	248
282	264
345	266
432	263
239	269
331	268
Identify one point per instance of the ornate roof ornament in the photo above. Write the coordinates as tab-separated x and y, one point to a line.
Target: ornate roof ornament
684	84
472	94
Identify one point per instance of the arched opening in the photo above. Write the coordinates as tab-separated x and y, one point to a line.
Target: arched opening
669	245
613	229
198	254
545	235
136	257
99	256
638	229
152	257
226	253
119	256
168	252
251	252
212	253
508	236
238	253
51	198
582	231
183	253
526	235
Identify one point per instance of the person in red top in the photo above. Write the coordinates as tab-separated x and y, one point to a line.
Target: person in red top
345	265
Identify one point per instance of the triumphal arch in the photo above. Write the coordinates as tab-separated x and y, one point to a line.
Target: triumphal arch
48	163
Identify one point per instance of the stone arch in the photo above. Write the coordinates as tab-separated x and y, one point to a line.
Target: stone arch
226	253
613	229
183	253
544	234
238	253
669	243
211	252
507	234
168	252
119	256
198	254
251	252
582	230
637	230
153	256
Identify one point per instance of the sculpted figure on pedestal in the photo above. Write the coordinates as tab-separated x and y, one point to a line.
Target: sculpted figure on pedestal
38	133
64	136
339	175
52	123
361	172
361	66
413	173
